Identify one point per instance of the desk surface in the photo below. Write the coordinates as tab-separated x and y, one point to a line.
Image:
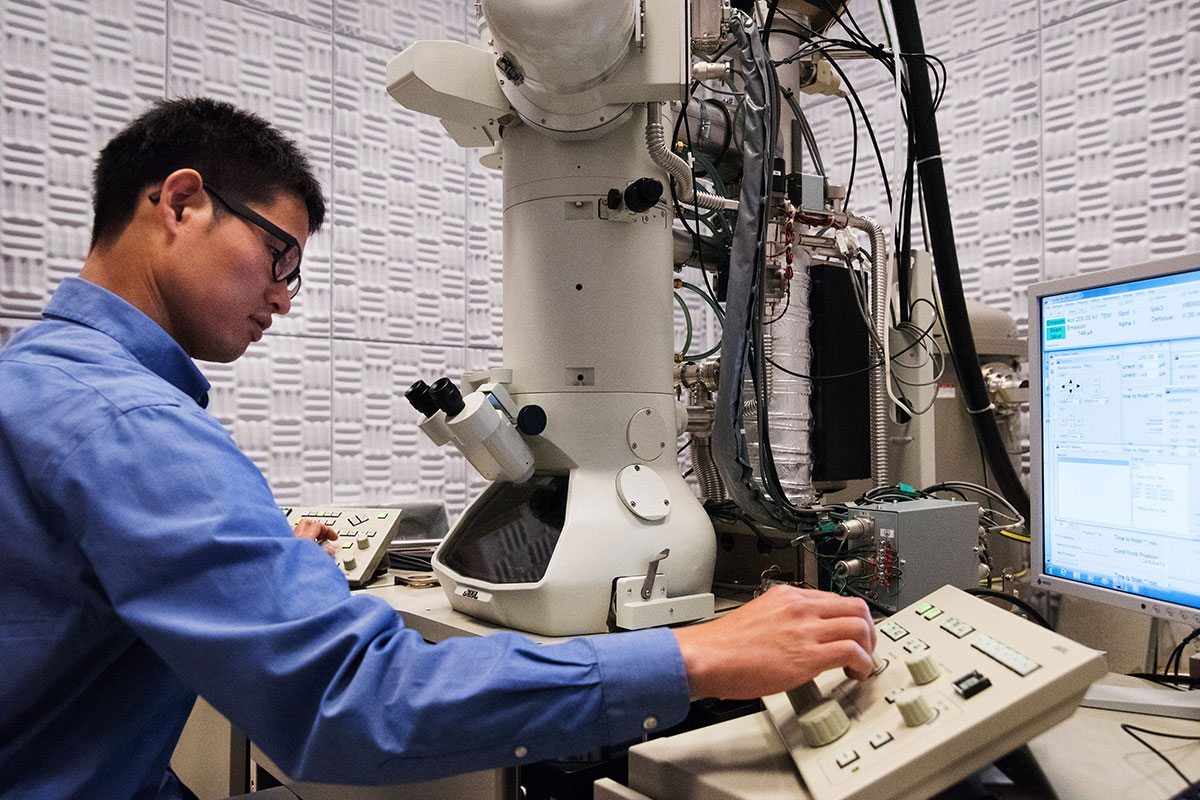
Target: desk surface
1086	757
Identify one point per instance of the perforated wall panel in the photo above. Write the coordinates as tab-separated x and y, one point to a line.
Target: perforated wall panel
1071	131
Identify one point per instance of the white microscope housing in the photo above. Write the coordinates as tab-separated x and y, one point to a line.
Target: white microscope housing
604	533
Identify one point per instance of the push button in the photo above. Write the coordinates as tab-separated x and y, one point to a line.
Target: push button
957	627
846	758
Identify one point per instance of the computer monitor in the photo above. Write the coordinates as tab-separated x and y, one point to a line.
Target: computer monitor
1114	368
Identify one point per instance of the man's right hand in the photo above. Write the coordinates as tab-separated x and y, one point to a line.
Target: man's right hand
776	642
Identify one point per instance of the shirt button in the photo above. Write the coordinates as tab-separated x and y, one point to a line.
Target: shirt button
650	723
521	751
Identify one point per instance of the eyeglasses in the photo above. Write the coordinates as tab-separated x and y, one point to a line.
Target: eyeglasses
283	247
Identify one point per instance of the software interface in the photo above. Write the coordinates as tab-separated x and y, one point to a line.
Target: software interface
1121	437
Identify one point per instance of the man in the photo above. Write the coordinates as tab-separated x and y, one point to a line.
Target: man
147	562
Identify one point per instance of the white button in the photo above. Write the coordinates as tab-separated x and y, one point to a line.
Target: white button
846	758
650	723
521	751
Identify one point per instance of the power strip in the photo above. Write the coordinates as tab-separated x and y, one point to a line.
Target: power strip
363	536
959	682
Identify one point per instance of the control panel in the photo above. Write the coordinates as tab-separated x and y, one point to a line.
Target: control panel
958	683
363	536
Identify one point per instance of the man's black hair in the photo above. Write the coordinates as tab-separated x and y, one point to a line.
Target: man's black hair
236	151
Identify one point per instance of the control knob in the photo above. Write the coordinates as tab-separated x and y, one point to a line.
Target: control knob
824	724
922	667
804	697
913	707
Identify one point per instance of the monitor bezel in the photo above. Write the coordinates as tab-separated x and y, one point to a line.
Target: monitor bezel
1074	283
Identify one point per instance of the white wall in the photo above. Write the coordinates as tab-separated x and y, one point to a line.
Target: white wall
401	283
1062	153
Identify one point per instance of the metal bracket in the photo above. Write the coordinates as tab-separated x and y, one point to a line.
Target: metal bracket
639	25
648	585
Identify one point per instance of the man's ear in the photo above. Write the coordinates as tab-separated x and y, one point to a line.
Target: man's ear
182	193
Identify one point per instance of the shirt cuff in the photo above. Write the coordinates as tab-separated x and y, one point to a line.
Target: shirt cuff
644	682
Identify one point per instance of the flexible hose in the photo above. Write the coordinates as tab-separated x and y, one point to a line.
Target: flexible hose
878	390
945	258
676	167
711	487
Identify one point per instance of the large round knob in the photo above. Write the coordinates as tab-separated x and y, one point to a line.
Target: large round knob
824	724
349	562
363	542
804	697
913	708
922	667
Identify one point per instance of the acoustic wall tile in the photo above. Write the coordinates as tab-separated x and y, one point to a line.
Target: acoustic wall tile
395	25
73	73
318	13
281	70
9	327
276	402
1054	11
484	265
379	454
399	212
953	28
1120	136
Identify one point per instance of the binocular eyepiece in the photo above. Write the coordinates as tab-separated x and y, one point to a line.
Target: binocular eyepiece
443	395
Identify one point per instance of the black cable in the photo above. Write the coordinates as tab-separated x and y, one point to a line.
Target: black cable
853	151
1177	653
769	19
958	321
1012	599
1125	726
924	335
1167	680
871	604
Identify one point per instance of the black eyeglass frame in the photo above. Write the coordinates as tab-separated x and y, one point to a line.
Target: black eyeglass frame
253	217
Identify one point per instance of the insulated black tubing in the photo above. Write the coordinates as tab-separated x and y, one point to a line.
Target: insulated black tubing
945	257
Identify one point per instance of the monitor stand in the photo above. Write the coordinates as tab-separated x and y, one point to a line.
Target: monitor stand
1158	701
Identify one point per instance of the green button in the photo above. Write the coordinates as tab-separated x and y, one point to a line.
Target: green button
921	609
932	613
383	515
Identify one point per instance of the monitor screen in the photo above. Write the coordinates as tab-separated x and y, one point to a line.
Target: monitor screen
1118	455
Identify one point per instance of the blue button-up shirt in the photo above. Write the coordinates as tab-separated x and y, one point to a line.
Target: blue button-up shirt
144	560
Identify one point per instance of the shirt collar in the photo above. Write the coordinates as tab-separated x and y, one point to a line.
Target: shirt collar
81	301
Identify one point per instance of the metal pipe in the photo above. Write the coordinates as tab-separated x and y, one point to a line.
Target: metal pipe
878	386
711	487
676	167
683	252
